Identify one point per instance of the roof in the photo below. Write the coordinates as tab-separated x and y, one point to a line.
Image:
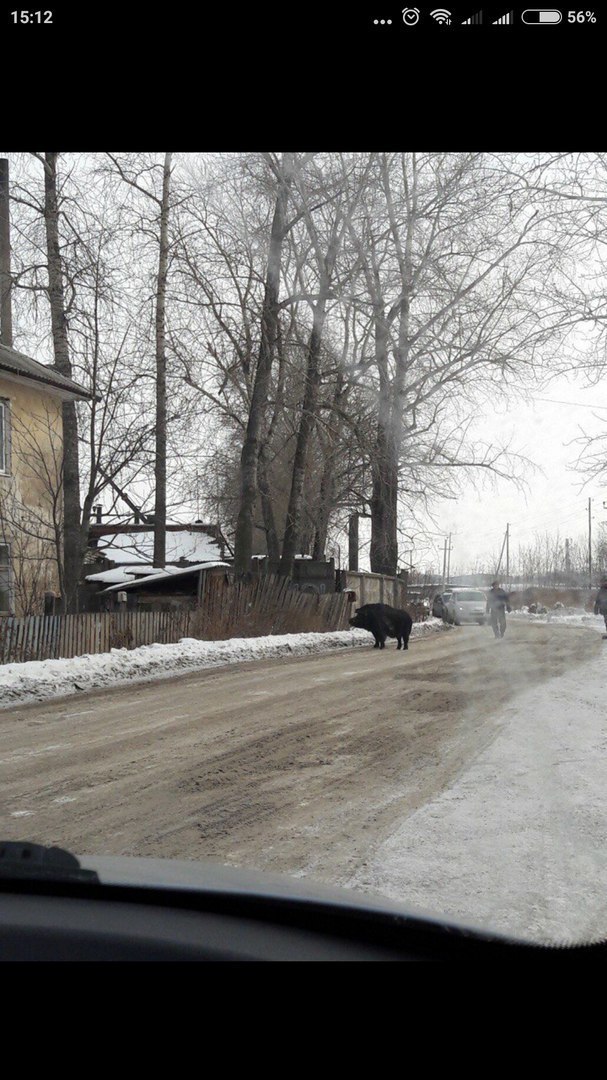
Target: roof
137	545
111	577
119	574
18	364
164	575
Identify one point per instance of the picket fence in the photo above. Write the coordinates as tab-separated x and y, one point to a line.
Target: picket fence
224	610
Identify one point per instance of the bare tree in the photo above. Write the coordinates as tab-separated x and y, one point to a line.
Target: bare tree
455	261
283	173
132	173
72	534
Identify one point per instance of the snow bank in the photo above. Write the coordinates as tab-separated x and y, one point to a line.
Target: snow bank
39	680
565	616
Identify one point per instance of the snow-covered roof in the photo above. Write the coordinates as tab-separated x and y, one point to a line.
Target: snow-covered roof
168	572
111	577
147	570
126	548
120	574
295	556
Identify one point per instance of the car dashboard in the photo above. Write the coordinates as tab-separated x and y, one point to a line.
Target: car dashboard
57	907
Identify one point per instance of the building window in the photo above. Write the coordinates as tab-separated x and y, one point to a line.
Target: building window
5	579
4	435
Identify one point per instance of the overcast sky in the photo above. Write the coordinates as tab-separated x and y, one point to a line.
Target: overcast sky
557	499
542	429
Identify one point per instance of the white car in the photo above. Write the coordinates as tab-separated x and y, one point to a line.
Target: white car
465	605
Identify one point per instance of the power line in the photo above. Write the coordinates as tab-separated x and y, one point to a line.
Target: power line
556	517
577	404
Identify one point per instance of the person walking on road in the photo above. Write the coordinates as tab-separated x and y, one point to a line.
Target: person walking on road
600	604
497	606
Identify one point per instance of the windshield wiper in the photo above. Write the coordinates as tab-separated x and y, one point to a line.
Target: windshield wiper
34	862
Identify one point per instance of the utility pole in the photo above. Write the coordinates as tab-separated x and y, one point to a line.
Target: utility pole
445	563
497	569
507	556
590	542
567	557
449	559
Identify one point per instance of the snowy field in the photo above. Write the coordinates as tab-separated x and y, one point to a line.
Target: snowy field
39	680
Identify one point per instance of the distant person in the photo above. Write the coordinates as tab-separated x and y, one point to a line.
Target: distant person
600	604
497	606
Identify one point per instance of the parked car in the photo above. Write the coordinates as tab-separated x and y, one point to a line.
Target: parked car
465	605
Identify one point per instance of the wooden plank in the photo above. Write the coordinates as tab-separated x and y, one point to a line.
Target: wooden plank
43	640
3	638
62	635
20	637
30	635
38	629
14	644
30	629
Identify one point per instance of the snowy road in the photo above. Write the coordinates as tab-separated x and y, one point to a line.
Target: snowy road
308	766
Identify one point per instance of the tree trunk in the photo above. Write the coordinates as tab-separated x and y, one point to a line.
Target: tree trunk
160	467
326	498
327	487
306	427
384	543
385	465
267	509
269	332
74	531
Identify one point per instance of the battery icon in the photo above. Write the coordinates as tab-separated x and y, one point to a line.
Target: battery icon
536	16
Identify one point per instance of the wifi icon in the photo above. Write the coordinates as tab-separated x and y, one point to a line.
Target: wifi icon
441	16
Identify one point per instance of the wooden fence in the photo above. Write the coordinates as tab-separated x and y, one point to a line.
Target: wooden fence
377	588
267	606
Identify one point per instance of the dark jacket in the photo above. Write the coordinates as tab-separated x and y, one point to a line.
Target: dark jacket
600	604
497	600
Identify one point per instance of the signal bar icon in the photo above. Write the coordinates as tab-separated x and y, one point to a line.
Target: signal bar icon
505	19
478	18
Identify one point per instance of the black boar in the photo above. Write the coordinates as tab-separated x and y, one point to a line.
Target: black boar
384	621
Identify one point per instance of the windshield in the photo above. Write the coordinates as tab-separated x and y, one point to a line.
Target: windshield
238	472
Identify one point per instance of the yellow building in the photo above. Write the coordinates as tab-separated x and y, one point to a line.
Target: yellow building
31	399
